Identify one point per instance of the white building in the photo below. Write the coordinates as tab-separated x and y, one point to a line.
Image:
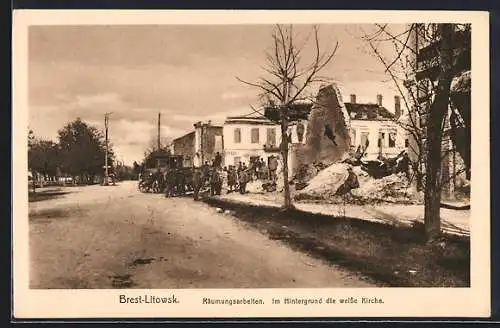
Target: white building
246	137
374	125
249	137
254	136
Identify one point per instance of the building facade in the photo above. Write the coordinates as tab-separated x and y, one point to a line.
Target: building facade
206	139
247	138
185	146
375	129
371	126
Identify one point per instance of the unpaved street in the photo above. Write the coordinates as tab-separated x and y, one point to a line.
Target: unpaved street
117	237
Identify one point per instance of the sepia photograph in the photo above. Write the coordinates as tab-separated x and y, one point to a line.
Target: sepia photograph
269	155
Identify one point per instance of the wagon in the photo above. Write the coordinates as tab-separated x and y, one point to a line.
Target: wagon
157	172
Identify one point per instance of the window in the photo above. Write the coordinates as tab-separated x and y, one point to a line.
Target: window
237	160
218	144
364	139
255	135
407	143
353	137
271	136
392	139
381	139
161	162
237	135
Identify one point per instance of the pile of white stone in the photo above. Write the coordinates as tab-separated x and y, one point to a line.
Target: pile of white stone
325	184
394	188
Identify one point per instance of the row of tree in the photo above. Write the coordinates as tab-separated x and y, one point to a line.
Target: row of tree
79	153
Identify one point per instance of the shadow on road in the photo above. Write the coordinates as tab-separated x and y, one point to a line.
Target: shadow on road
46	195
397	256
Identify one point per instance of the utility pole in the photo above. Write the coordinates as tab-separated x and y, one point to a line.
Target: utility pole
159	142
106	120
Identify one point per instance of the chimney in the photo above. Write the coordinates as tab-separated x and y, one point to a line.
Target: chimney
379	100
397	106
353	99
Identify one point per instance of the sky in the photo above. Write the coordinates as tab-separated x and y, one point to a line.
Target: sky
185	72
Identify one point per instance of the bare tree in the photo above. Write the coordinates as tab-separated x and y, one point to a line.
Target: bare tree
287	81
401	72
424	86
153	145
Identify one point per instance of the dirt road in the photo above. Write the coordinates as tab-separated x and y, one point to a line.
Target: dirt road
117	237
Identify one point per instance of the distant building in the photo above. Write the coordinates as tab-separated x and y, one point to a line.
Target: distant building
206	139
369	124
248	138
259	136
254	136
374	125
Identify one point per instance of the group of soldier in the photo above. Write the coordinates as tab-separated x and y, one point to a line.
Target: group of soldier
176	182
237	176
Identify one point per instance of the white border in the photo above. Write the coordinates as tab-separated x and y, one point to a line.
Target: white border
399	302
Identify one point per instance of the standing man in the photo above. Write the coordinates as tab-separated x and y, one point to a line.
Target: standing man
196	175
273	166
243	179
218	160
300	130
263	170
231	178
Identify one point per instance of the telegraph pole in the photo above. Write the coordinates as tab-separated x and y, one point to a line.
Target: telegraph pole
106	120
159	142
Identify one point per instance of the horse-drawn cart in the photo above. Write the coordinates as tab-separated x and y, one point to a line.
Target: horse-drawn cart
163	171
166	173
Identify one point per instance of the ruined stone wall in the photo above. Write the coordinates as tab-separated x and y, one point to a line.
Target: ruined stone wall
209	144
328	117
185	146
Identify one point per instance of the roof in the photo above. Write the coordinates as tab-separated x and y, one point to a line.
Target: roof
187	134
296	112
372	112
368	112
255	120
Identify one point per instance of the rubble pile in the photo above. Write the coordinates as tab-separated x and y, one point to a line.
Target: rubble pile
394	188
255	186
308	171
325	184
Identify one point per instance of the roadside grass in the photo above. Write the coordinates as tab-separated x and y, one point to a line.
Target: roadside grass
396	256
56	213
45	195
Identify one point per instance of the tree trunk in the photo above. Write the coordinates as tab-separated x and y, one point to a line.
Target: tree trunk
436	116
284	153
418	172
33	174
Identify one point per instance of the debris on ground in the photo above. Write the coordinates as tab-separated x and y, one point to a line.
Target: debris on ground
308	171
269	186
325	184
300	185
394	188
371	181
343	183
255	187
385	166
